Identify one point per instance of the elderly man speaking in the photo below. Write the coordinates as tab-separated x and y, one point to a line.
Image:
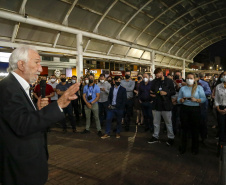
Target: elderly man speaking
23	145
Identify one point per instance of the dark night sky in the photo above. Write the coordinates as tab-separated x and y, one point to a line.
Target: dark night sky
207	55
218	49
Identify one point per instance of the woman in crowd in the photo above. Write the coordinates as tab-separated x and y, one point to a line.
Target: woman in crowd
220	103
219	80
190	96
137	104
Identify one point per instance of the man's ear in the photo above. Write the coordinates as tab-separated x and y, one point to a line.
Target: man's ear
21	65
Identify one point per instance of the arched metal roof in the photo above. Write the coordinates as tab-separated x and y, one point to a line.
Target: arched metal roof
123	30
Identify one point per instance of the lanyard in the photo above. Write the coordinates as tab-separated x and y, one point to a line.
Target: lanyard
90	91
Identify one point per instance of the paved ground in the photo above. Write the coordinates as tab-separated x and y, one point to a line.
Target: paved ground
77	159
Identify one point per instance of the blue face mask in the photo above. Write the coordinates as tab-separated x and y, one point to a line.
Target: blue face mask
222	79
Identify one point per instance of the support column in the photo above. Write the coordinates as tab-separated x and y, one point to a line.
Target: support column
79	61
153	63
183	70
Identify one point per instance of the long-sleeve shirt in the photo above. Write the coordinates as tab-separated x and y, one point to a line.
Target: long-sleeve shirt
115	92
206	87
129	86
144	92
104	94
185	92
220	95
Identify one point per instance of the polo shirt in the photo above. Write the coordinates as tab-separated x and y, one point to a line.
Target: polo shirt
49	90
91	90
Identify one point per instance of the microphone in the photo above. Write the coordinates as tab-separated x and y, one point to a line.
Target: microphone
43	88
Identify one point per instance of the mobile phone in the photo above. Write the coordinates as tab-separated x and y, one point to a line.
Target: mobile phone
188	98
179	81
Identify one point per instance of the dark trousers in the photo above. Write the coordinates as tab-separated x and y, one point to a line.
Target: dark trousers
110	115
176	118
190	122
203	123
83	108
128	112
222	127
69	110
75	106
147	113
103	106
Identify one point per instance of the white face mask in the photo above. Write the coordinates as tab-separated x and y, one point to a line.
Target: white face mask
102	81
145	79
151	79
190	81
73	81
216	79
53	80
87	81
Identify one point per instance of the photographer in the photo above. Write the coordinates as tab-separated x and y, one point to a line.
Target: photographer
91	95
162	89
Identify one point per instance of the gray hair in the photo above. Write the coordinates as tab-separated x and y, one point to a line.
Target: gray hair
20	53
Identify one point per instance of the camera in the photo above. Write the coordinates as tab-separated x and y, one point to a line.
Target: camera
90	97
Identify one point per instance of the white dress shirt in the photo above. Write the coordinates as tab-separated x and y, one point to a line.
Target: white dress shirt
220	95
24	84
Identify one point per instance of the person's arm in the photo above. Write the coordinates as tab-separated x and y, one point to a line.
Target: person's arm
59	92
180	98
35	95
96	99
51	95
25	122
207	89
202	96
108	88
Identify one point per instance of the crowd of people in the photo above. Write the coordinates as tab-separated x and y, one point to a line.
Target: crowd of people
182	104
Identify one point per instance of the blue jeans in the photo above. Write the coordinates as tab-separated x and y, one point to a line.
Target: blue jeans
147	113
110	114
103	106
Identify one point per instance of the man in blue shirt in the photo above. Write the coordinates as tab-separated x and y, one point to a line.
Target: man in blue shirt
91	95
116	104
60	89
204	107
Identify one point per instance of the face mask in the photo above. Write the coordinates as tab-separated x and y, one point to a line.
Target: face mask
139	78
109	81
63	79
117	83
53	80
159	79
87	81
90	81
190	81
216	79
151	79
102	81
43	81
145	80
73	81
127	76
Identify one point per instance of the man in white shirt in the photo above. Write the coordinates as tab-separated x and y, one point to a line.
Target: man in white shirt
23	145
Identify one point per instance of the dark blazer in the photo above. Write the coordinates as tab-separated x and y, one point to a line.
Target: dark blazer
163	103
23	146
121	97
